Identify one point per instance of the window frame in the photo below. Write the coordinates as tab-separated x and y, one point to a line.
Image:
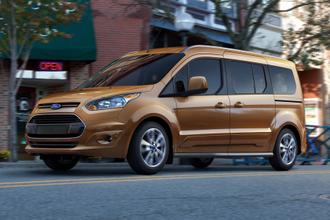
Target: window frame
265	75
222	90
231	91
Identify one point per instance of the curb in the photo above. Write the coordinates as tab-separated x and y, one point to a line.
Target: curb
39	163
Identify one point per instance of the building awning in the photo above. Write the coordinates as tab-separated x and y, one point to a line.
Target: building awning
216	35
80	47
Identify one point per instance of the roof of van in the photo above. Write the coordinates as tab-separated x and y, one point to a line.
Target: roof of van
226	52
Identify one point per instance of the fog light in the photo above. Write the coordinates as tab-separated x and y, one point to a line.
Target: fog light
105	140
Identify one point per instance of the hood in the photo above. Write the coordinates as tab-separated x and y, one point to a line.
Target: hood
88	94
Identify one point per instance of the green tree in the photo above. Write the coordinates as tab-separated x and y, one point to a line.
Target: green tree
23	23
305	44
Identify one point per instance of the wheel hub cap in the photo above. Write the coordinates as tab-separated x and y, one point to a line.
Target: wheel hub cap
288	149
153	147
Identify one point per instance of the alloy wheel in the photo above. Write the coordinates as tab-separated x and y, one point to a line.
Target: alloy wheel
153	147
288	148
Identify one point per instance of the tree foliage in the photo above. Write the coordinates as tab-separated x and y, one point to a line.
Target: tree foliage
23	22
305	44
251	15
28	21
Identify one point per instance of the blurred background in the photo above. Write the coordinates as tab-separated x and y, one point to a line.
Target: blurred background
53	46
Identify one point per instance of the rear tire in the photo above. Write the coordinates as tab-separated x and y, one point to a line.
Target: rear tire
201	163
149	149
60	162
285	151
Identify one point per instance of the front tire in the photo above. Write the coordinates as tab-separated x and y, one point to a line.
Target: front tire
149	149
60	162
201	163
285	151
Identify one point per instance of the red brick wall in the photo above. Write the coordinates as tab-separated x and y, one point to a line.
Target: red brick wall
4	117
79	72
119	29
311	82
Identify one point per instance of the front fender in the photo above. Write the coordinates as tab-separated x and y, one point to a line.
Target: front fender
138	111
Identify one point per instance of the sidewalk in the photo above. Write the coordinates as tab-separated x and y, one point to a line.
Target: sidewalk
39	163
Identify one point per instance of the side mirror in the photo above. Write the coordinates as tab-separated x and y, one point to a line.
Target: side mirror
197	85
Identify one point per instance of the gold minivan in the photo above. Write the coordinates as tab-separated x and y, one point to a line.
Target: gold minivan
199	102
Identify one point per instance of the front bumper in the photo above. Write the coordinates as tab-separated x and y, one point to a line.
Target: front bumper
97	126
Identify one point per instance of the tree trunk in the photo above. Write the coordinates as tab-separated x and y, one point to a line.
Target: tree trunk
12	34
12	107
13	126
239	44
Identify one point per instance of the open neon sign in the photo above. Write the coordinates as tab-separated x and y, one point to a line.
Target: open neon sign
50	66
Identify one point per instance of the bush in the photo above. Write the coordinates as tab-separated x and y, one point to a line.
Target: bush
4	155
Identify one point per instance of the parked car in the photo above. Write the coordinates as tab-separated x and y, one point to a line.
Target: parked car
199	102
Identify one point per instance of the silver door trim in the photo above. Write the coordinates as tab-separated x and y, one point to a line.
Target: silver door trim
204	132
224	131
264	154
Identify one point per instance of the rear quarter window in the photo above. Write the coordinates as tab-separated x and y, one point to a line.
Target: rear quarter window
282	80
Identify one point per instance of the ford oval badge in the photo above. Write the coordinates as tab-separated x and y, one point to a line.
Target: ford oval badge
56	106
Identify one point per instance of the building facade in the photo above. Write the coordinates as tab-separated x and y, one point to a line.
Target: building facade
208	29
268	37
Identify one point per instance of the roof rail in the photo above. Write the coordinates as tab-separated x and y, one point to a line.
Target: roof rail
231	49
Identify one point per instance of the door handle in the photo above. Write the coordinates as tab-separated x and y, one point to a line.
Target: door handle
220	105
238	105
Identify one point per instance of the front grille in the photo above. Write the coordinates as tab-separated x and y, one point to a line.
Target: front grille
55	126
63	105
53	145
55	119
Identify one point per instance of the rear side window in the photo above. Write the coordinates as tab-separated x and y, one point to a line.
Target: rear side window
210	69
259	78
241	77
282	80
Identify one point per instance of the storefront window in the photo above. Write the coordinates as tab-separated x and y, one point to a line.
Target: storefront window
48	70
25	100
62	75
29	74
312	113
26	74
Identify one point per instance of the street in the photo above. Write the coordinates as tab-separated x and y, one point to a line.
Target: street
113	191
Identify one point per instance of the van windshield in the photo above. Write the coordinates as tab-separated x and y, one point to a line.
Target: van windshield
135	70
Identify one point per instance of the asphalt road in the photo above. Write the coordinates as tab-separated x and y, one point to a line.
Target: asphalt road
106	191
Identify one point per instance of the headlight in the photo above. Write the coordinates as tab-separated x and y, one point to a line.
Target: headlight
117	101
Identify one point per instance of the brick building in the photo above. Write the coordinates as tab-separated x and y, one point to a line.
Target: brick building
108	30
